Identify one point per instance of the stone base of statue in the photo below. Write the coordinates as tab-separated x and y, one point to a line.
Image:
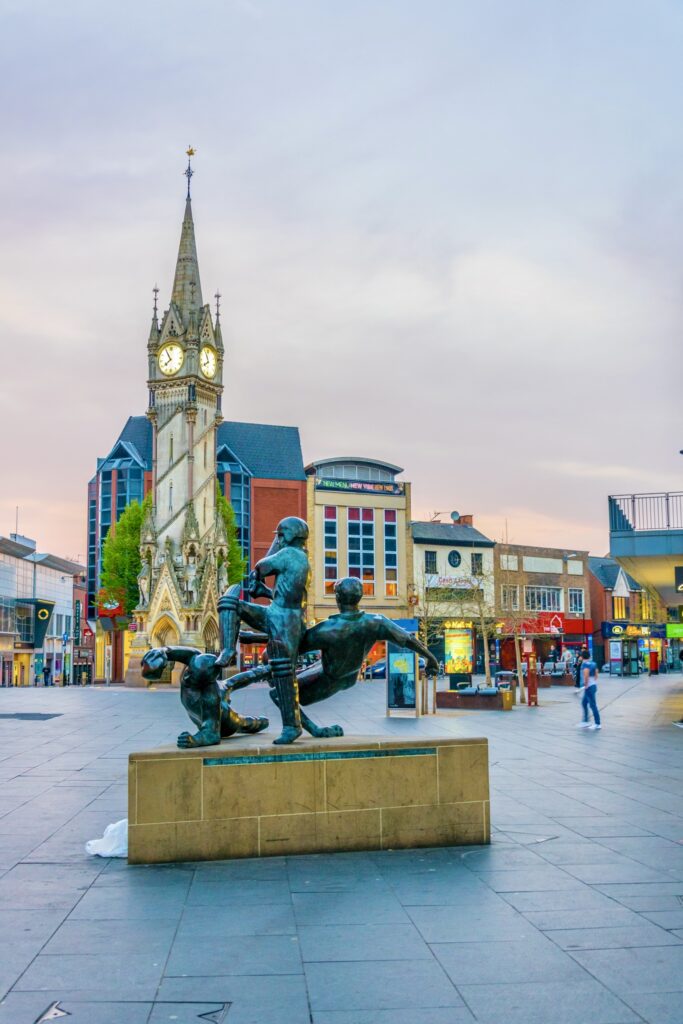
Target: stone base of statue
247	798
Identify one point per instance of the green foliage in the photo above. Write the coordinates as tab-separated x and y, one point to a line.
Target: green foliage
121	562
236	562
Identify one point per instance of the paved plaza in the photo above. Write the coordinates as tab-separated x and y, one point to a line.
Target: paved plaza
574	914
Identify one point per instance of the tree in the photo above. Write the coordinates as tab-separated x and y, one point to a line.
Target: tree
472	598
237	563
510	600
121	561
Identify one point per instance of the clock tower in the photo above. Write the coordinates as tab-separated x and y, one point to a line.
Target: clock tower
183	541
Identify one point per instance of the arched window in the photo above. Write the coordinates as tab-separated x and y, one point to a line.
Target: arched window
170	451
205	450
170	496
205	511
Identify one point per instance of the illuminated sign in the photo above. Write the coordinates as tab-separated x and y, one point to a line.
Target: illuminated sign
627	630
678	578
674	630
458	645
362	486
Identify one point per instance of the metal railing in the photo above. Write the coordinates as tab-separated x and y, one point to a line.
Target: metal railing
630	512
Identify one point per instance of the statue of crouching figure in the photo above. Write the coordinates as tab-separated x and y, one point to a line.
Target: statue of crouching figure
205	700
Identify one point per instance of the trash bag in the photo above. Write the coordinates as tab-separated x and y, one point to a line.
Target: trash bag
114	842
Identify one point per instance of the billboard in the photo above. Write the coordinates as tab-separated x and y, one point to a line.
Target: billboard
459	650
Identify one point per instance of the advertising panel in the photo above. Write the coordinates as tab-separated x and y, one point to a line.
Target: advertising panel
459	650
401	679
674	630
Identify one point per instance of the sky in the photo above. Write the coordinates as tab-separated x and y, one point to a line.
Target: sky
447	235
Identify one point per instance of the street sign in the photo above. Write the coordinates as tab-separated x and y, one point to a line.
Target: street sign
65	638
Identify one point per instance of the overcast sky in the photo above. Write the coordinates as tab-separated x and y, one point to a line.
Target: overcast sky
447	234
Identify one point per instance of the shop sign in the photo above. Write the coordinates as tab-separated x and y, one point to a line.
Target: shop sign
628	630
359	486
42	615
458	649
451	582
552	623
132	627
674	630
77	622
678	578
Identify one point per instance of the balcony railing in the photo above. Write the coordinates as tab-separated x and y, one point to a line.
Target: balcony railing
630	512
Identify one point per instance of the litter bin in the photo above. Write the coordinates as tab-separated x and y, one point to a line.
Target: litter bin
508	699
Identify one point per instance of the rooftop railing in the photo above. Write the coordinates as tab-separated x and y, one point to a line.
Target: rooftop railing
630	512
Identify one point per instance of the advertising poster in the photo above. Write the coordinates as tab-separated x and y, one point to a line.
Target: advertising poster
401	681
459	652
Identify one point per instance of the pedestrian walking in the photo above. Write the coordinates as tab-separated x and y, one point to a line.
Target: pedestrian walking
589	672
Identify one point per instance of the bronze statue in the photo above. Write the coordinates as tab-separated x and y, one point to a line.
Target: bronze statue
344	641
282	620
206	702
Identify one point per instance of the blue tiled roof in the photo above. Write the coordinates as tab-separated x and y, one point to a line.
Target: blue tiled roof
606	571
138	432
269	452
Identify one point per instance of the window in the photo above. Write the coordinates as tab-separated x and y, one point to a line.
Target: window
205	456
509	563
67	624
477	563
59	625
647	607
24	620
543	599
361	534
170	496
509	597
7	620
576	600
619	608
330	540
430	563
170	451
390	553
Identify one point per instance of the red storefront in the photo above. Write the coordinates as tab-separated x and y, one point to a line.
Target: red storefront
544	637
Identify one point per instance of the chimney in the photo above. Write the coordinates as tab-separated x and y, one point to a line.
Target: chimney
466	520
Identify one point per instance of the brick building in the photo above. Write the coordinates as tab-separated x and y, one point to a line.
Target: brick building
543	594
629	622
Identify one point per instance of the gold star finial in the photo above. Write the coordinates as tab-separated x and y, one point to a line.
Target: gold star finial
188	172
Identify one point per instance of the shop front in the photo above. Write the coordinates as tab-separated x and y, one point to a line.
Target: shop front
548	637
674	645
629	645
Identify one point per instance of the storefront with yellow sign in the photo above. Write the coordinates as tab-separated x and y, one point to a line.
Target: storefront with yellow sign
628	646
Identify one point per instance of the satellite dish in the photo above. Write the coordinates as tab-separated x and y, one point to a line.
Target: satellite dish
455	516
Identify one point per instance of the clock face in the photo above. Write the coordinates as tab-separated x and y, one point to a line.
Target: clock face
171	358
207	361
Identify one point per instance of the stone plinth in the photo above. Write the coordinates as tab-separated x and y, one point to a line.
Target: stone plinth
247	798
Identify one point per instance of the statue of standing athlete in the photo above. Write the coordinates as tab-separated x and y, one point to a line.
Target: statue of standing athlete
282	620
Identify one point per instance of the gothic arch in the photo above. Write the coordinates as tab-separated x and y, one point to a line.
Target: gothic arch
166	633
210	634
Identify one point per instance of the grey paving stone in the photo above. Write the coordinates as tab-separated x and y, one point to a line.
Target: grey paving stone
470	923
487	963
348	908
251	955
185	1013
361	942
650	969
97	976
612	872
666	918
562	853
605	917
225	922
27	1007
434	1015
109	903
113	937
657	1007
379	985
213	894
546	1003
644	934
546	878
270	999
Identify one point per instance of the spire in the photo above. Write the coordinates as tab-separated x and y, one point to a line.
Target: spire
187	288
154	328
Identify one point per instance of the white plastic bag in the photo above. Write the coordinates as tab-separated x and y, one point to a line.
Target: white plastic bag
114	842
